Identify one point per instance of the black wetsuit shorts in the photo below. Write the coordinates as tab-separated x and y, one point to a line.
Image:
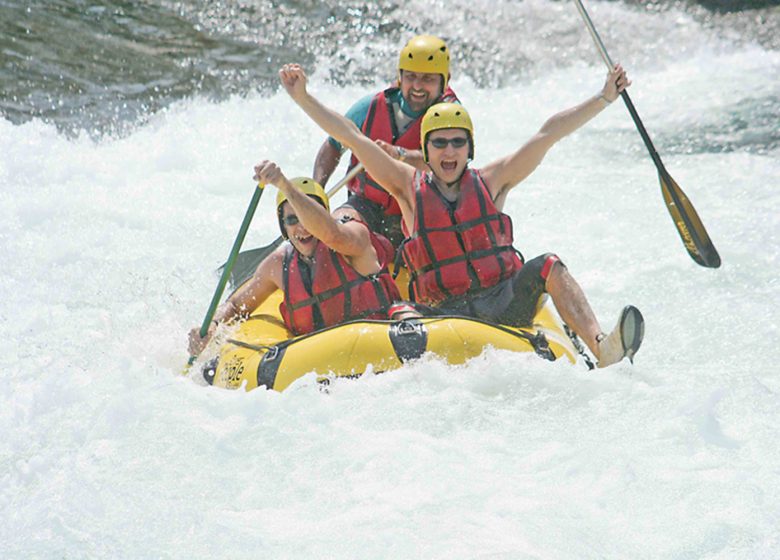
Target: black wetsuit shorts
514	301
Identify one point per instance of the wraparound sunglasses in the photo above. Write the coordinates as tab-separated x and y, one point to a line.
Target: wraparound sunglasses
441	143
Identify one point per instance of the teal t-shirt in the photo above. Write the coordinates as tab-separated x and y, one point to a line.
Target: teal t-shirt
404	116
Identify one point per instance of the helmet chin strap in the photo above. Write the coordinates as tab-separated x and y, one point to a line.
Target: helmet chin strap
455	182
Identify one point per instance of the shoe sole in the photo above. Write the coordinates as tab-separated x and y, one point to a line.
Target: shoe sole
632	331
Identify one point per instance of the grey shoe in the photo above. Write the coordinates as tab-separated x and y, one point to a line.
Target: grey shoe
624	340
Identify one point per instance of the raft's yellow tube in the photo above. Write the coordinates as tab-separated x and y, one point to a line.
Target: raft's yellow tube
261	352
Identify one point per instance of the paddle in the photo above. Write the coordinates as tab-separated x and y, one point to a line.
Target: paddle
228	267
689	226
247	261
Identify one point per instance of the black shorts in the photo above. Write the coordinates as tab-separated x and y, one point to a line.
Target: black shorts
375	218
514	301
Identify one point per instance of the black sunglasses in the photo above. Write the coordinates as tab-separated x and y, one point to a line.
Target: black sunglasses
291	220
441	143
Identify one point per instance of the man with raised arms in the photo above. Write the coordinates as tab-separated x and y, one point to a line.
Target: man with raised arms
332	271
459	242
392	119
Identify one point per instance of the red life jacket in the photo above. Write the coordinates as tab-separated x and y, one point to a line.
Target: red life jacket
380	125
457	249
334	292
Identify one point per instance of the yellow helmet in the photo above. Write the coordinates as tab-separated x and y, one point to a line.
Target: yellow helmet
446	115
307	186
426	53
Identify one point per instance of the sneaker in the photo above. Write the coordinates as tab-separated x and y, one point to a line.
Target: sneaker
625	338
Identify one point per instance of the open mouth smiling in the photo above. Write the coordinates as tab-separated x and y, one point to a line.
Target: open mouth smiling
303	238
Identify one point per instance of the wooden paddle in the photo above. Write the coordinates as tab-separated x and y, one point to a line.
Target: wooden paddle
247	261
686	220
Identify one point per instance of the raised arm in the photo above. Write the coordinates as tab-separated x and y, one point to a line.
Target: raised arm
342	238
503	174
395	176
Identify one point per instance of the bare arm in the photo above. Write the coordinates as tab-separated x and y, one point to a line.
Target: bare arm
503	174
393	175
326	162
342	238
265	281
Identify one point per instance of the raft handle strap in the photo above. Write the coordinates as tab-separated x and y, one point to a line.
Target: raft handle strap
272	354
408	327
256	347
541	346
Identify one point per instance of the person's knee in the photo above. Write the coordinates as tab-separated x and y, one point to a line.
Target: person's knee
553	271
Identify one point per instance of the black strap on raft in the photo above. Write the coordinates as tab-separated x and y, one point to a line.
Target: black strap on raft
538	341
256	347
575	340
269	364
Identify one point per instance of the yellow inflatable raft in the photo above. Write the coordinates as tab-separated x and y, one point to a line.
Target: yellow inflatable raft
261	352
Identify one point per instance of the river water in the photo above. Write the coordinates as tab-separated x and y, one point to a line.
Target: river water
127	141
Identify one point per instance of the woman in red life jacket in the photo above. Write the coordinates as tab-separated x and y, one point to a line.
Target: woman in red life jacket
392	119
331	271
459	242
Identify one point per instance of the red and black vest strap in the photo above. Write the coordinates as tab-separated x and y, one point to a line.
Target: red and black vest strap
379	290
288	257
422	233
477	182
369	122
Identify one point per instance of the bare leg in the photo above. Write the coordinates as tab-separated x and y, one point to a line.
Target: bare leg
573	306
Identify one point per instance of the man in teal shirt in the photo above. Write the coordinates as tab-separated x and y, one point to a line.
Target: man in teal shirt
392	119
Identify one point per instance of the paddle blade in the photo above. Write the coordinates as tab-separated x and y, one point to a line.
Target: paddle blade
247	261
688	224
